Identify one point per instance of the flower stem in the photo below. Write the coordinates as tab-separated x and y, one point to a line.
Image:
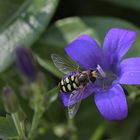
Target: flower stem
72	129
38	107
99	132
18	126
36	119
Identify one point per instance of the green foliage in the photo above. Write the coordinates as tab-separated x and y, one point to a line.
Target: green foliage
48	66
8	9
135	4
30	21
22	22
7	128
65	30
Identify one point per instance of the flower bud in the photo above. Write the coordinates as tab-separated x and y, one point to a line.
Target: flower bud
10	100
26	62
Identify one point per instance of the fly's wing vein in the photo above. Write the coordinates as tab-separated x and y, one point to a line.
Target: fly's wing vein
73	108
62	64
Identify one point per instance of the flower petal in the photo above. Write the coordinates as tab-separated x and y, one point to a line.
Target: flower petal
112	103
116	44
84	51
65	96
130	71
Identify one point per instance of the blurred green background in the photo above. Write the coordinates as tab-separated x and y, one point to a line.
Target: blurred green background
47	26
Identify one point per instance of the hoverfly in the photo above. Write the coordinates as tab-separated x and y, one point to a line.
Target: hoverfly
74	84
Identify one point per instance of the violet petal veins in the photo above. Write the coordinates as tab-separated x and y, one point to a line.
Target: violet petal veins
112	103
84	51
130	71
116	43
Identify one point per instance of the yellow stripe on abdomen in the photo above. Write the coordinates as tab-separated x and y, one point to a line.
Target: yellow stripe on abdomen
67	80
69	87
64	89
75	86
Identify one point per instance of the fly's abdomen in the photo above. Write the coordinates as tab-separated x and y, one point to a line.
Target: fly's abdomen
69	84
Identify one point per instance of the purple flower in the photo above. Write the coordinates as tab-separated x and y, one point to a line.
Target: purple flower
108	94
25	62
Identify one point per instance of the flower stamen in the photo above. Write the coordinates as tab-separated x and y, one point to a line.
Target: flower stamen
105	79
101	72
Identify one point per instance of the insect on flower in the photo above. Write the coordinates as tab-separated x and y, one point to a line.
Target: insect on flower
108	69
75	83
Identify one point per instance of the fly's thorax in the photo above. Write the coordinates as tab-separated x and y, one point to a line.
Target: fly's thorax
93	76
87	76
69	83
83	77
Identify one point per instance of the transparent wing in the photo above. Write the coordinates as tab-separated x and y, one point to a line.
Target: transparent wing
62	64
73	108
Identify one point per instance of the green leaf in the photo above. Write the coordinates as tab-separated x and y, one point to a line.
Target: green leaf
8	9
66	30
135	4
29	22
48	66
127	129
99	132
7	128
51	96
